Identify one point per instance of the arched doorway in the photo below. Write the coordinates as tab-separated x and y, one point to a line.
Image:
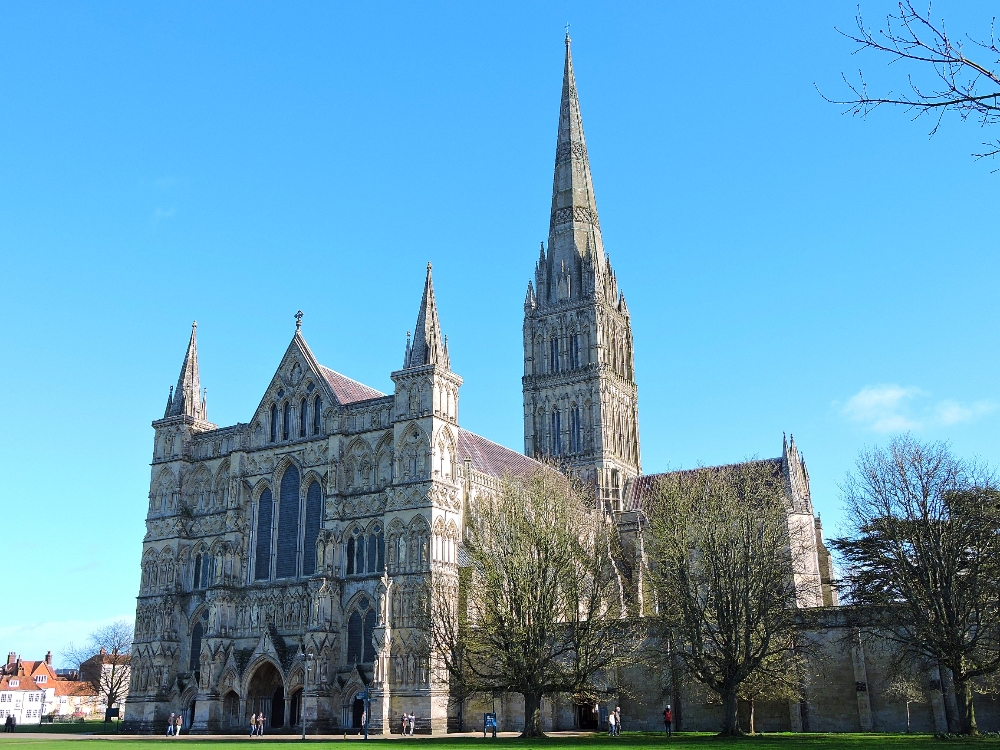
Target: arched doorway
265	684
588	716
190	716
231	710
358	714
278	708
295	719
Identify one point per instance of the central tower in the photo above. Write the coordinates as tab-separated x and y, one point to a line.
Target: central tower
580	398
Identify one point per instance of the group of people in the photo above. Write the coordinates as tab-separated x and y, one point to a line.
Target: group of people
257	724
174	725
408	721
8	726
615	722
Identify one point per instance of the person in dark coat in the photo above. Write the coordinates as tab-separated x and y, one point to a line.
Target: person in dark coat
668	721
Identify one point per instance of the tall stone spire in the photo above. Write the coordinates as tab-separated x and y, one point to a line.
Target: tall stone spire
428	346
573	222
186	399
580	396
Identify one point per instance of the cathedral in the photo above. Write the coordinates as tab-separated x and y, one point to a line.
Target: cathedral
285	558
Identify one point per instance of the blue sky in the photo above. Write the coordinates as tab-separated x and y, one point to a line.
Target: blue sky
788	268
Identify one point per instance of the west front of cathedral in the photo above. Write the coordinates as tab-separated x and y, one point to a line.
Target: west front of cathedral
286	558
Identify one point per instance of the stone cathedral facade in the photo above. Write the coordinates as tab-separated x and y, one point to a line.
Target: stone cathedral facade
285	557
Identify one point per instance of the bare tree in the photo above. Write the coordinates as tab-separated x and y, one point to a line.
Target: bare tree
943	76
721	558
923	557
539	609
104	661
778	677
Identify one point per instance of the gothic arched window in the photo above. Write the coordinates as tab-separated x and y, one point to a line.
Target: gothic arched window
350	555
303	417
576	433
196	635
355	639
376	551
554	354
317	409
197	571
574	351
262	561
286	418
359	556
288	523
274	423
314	518
556	432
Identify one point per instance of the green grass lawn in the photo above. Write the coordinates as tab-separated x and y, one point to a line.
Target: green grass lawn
638	741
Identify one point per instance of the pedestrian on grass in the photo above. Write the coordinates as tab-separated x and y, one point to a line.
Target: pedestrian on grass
611	724
668	721
618	720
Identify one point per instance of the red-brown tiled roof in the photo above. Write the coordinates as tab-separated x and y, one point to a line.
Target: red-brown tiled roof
77	688
493	459
640	487
346	390
24	683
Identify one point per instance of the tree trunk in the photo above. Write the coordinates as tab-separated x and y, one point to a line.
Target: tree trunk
730	724
966	711
532	715
752	730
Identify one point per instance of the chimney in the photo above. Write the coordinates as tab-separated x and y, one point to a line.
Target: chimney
11	658
48	658
103	651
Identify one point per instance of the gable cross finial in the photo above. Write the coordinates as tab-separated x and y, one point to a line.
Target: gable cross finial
298	320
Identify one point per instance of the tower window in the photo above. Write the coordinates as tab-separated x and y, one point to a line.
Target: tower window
576	433
262	560
286	418
554	355
556	432
303	408
574	351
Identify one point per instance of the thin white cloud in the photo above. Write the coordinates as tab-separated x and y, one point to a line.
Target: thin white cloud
890	407
162	214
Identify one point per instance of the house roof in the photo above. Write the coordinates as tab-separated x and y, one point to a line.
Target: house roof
24	683
77	688
346	390
492	458
641	487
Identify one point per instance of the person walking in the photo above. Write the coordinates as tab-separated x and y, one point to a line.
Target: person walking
612	719
170	726
260	724
402	724
413	721
178	724
253	724
668	721
618	720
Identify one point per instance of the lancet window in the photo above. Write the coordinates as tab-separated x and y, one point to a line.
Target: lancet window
317	411
576	432
556	432
286	419
288	523
303	417
274	423
262	559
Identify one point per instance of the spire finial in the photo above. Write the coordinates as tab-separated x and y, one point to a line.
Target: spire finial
298	321
568	40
